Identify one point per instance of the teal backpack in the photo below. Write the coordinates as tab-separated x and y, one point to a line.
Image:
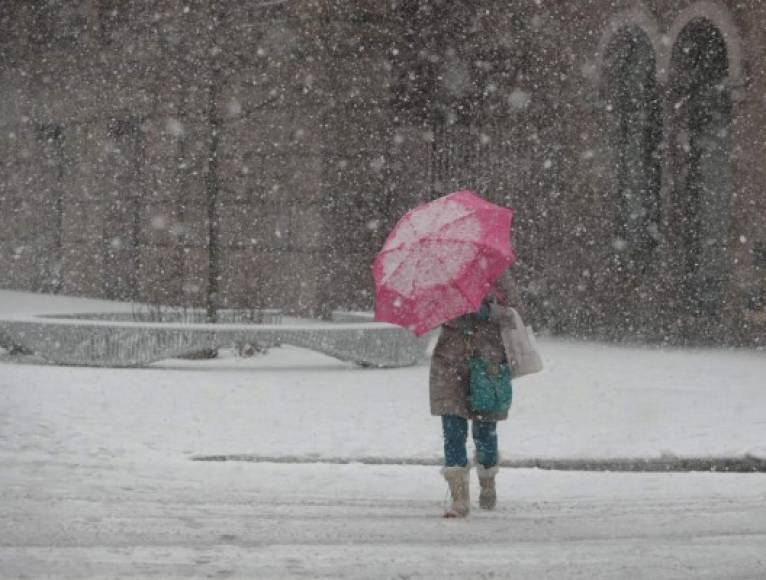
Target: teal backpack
490	383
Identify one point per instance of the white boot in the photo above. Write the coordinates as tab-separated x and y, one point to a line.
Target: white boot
458	481
487	494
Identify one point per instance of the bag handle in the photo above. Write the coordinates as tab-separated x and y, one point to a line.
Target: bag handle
518	323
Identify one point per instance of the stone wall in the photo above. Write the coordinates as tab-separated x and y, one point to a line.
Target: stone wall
296	134
591	162
551	123
139	100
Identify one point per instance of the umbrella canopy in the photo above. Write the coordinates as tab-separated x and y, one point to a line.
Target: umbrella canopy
440	259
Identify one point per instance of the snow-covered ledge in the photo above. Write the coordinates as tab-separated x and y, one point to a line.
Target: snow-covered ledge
112	341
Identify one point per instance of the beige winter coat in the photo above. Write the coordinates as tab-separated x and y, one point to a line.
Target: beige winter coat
449	364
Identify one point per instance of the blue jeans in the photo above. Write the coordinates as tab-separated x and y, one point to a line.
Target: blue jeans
456	434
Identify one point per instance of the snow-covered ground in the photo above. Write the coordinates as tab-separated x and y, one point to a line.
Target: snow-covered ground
96	478
29	303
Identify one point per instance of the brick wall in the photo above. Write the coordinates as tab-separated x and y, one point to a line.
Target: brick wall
326	121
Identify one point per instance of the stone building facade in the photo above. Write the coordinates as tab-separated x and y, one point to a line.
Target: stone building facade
255	154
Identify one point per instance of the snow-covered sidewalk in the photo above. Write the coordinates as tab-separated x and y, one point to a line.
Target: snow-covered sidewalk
97	482
264	521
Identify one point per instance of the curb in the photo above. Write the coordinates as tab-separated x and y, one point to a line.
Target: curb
744	464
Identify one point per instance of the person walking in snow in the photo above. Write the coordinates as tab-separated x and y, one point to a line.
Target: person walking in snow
477	333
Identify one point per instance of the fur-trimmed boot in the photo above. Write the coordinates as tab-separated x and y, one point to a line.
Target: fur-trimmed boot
458	481
487	493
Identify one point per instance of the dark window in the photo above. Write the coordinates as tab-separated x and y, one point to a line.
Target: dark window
636	136
702	105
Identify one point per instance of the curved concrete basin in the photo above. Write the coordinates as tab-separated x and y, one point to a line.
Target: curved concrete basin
108	340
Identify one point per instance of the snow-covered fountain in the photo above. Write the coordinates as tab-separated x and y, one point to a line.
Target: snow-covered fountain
127	340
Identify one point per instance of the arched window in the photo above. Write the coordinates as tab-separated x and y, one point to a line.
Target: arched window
702	105
635	135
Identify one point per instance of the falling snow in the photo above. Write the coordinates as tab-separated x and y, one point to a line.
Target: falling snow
212	157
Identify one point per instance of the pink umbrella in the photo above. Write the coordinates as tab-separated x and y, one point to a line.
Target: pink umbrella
440	260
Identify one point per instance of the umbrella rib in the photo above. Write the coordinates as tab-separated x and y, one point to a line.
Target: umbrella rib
471	213
400	244
395	271
455	284
389	250
438	259
453	222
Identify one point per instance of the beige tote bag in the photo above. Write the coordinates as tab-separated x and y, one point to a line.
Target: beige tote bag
520	347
